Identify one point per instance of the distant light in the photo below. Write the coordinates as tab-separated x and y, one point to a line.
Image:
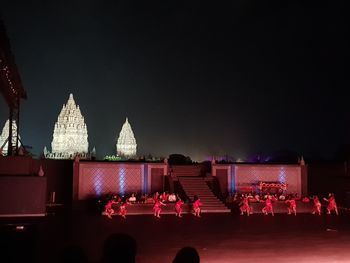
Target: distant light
19	228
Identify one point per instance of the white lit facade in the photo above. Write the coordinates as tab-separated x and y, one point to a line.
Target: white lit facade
126	144
70	136
5	135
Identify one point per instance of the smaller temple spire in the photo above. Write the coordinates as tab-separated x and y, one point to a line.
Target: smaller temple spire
126	143
4	136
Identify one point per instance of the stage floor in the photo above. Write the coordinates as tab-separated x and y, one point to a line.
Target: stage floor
217	237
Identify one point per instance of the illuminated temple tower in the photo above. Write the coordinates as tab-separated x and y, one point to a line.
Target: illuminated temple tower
70	136
5	135
126	144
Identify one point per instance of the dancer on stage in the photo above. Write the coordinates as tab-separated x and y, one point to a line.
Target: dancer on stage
317	206
292	206
268	206
157	207
244	206
156	196
108	208
332	205
122	209
196	206
178	208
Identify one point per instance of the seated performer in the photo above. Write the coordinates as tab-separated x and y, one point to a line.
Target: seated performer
108	208
317	206
332	205
132	198
268	206
292	206
172	198
164	196
196	206
244	206
157	207
178	208
282	197
305	199
155	196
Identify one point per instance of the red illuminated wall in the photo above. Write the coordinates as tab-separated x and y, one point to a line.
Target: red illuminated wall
241	176
93	179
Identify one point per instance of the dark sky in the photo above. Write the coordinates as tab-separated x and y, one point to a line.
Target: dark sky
236	78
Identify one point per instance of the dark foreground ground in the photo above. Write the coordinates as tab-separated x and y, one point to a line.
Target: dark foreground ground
217	237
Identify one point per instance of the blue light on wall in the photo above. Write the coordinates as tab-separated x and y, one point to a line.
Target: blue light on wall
145	178
98	183
122	180
233	176
282	175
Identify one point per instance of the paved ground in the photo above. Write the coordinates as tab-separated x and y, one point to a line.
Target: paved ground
217	237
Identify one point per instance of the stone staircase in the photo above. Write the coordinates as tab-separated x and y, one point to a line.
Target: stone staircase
197	186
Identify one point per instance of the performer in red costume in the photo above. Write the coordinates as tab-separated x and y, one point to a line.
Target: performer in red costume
268	206
292	206
196	206
122	209
108	208
157	207
332	205
155	196
244	206
178	208
317	206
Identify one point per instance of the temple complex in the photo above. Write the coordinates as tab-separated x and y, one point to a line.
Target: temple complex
126	144
70	136
5	135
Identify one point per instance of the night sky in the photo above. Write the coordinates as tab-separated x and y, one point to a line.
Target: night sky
240	78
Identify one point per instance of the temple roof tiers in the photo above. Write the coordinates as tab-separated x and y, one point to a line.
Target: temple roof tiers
70	136
126	143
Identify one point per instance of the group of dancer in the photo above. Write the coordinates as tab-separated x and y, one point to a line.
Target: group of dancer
245	207
157	207
109	211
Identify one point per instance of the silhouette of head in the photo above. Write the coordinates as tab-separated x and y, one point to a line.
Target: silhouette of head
119	248
72	254
187	255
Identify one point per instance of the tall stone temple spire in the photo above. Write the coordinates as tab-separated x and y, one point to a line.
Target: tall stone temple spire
70	136
5	135
126	144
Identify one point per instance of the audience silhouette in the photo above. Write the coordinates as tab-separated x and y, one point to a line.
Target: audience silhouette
72	254
119	248
187	255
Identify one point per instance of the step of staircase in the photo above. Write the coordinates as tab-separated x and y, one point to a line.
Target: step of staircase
197	186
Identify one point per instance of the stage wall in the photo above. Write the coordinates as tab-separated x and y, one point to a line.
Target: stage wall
22	196
236	177
92	179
